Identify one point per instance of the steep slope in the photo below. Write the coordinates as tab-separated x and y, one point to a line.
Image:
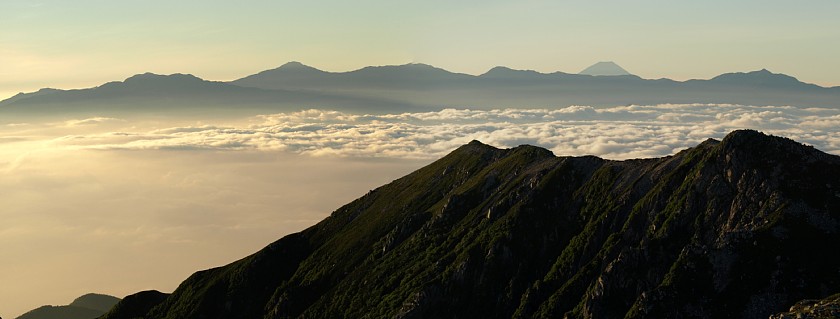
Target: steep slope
738	228
85	307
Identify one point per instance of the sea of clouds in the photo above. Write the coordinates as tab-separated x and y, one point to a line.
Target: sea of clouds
623	132
159	198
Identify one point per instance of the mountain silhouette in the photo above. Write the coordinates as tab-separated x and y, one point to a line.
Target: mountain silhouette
763	78
376	78
150	93
304	75
607	68
506	87
743	227
411	87
88	306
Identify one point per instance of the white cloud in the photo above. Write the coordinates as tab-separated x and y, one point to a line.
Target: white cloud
616	133
90	121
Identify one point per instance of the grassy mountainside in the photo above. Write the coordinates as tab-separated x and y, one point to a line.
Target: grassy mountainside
738	228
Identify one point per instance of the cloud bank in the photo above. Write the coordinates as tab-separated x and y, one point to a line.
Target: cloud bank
159	199
615	133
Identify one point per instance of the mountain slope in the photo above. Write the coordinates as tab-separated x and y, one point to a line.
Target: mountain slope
606	68
85	307
738	228
61	312
292	74
98	302
136	305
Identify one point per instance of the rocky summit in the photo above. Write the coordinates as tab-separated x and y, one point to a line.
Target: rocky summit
744	227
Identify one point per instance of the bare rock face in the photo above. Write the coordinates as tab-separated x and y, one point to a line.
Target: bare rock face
738	228
813	309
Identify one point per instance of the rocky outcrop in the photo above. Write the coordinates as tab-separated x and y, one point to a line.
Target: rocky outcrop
827	308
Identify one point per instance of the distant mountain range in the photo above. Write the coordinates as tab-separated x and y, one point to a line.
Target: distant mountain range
88	306
384	89
505	87
183	94
744	227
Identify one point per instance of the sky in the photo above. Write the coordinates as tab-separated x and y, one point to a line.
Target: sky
76	44
119	205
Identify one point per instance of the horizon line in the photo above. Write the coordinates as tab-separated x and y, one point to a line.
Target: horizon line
9	94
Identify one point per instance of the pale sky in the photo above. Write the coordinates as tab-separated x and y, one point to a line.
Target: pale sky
74	44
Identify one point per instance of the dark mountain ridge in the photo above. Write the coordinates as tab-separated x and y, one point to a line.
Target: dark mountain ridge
738	228
85	307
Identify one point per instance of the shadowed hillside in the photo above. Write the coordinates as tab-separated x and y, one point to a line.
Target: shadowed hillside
88	306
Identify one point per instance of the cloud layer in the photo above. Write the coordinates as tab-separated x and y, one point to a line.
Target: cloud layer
614	133
159	199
